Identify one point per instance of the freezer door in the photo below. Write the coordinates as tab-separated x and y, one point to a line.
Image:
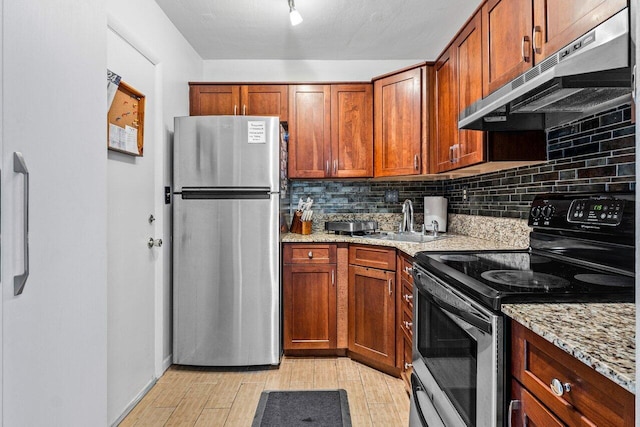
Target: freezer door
226	282
226	151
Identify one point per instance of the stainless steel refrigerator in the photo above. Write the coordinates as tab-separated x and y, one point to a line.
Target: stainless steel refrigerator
226	240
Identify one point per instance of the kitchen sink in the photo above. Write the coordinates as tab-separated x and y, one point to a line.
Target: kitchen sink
405	236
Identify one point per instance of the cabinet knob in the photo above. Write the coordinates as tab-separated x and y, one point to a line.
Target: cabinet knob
407	325
310	254
407	297
409	270
558	387
407	365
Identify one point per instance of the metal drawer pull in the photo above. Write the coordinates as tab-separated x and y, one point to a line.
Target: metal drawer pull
244	110
409	270
335	167
327	166
408	297
389	284
451	154
19	166
514	405
235	110
407	365
558	388
333	277
310	254
537	39
407	325
416	162
525	52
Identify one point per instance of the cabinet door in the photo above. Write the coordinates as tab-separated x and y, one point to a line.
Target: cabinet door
397	121
352	131
206	100
445	132
309	131
468	65
507	28
309	298
559	22
265	100
372	314
527	411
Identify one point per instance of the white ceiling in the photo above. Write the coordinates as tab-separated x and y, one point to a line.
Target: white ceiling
332	29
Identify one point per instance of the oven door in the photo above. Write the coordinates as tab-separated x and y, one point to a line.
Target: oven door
458	354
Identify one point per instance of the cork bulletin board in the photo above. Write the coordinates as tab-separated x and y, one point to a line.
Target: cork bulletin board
125	121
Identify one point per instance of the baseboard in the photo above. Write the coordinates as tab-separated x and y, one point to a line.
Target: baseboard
134	402
168	361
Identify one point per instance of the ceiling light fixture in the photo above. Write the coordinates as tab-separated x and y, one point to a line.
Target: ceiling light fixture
294	15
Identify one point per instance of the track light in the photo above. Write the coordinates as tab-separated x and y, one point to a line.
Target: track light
294	15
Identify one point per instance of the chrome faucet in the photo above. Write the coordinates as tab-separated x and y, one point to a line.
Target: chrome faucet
434	223
407	216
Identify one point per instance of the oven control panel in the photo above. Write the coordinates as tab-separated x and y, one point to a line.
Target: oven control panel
585	212
590	211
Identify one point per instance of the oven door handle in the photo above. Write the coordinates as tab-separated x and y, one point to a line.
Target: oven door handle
468	317
425	409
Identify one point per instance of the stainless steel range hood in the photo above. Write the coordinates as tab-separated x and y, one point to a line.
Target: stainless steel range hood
587	76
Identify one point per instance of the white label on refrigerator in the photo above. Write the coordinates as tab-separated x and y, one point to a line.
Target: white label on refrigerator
257	132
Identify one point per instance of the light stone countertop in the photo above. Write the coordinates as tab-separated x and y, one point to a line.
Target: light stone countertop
601	335
450	243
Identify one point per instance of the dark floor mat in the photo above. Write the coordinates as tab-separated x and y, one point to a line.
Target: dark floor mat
317	408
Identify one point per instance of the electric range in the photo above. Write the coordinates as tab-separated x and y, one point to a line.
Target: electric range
582	249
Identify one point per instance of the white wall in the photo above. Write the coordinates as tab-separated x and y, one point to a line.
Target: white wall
145	26
298	71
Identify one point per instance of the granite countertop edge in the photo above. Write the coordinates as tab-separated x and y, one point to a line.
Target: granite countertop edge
452	242
584	330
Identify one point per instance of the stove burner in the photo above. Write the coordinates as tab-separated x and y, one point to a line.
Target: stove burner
459	258
524	279
606	280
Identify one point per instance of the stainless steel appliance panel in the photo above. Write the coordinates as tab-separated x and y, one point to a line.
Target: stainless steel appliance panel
226	281
226	151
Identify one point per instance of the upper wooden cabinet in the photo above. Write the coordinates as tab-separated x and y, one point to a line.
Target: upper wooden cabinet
398	124
458	84
520	33
559	22
331	131
351	130
255	100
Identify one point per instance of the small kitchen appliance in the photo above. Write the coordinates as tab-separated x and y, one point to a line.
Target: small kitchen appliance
435	209
352	227
226	240
582	249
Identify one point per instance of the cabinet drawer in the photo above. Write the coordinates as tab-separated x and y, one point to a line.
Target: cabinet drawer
407	296
372	256
295	253
406	324
405	269
536	363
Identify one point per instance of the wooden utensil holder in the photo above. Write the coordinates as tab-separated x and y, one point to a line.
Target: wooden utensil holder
296	223
306	227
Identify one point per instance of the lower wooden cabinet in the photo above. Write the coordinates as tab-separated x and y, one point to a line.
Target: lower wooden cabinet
372	304
404	323
583	396
309	297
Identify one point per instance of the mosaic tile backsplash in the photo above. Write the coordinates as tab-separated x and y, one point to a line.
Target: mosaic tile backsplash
594	154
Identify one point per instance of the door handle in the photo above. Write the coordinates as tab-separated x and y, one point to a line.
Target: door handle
536	38
154	242
389	283
20	166
335	167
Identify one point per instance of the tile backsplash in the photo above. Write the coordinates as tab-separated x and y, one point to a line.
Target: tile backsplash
594	154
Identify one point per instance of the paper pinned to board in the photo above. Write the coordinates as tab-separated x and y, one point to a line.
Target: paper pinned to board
257	132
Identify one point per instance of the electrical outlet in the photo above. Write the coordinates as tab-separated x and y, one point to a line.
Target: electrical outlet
391	196
464	194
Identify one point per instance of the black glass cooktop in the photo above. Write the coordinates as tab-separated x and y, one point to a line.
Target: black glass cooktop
497	277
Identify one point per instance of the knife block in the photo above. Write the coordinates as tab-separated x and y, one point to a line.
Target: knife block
296	223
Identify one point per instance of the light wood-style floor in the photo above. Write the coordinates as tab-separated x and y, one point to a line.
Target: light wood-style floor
204	397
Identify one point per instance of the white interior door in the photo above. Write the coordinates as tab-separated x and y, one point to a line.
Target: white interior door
131	263
53	104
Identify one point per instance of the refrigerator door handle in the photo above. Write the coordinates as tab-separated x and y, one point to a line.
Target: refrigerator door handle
20	166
